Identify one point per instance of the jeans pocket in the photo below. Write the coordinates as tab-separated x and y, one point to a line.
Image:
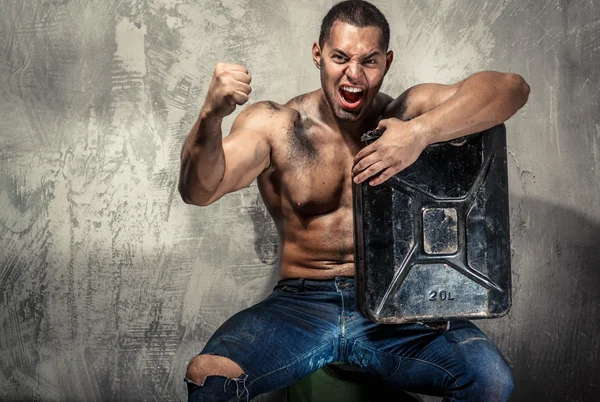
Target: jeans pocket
288	289
278	290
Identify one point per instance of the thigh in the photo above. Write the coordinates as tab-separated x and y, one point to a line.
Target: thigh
432	361
279	340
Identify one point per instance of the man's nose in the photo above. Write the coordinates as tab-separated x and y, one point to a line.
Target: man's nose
354	71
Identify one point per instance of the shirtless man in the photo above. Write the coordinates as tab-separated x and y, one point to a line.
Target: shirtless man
304	155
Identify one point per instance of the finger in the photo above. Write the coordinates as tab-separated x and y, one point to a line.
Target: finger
368	150
239	97
227	68
366	162
371	171
241	76
382	124
385	123
234	67
382	177
241	87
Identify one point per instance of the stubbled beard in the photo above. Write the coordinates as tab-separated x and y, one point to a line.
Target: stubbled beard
334	105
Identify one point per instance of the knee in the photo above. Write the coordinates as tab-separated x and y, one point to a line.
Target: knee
495	381
196	370
203	366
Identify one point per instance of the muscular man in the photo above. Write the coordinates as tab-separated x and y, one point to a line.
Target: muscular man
304	155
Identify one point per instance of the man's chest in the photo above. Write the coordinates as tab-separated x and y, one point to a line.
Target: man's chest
315	174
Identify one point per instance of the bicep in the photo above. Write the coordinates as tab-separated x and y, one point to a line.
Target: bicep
420	99
247	155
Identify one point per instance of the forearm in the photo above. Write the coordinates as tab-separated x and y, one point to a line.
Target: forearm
483	100
202	160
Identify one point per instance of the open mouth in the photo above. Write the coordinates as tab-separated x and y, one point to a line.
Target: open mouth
351	97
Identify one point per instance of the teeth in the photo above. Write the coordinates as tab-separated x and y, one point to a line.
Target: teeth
350	89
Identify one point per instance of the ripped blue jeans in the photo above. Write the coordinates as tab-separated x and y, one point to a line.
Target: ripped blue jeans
306	324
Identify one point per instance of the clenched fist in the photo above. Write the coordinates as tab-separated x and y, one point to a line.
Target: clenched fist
230	86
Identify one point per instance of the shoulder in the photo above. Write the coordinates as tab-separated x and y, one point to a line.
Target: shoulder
264	110
263	116
274	118
381	102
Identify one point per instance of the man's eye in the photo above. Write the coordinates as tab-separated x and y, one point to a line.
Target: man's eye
338	57
370	61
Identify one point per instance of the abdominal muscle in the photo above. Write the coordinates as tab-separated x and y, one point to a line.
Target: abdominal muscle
321	247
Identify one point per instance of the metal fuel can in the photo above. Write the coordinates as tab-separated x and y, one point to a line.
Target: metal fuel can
432	243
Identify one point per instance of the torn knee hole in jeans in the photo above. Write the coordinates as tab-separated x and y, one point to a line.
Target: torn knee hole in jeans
209	365
241	378
239	392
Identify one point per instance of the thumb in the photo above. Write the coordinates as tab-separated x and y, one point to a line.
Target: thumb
382	124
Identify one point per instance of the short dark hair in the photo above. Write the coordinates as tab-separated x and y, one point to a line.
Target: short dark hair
359	13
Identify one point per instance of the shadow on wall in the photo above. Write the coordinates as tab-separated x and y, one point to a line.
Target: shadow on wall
266	240
550	336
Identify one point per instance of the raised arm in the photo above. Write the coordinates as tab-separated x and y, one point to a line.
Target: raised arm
211	166
438	113
444	112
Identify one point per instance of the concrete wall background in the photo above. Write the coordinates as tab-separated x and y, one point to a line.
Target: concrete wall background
109	283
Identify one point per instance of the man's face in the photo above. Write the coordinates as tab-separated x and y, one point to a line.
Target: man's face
353	64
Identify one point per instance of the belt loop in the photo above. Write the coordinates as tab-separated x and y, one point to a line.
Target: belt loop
301	285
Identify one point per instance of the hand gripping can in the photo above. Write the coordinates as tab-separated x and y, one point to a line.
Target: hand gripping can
432	243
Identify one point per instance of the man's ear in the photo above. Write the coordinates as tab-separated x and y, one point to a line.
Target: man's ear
316	53
389	57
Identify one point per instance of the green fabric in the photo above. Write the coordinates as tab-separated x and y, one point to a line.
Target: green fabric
322	387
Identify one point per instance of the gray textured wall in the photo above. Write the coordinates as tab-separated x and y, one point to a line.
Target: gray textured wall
109	283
